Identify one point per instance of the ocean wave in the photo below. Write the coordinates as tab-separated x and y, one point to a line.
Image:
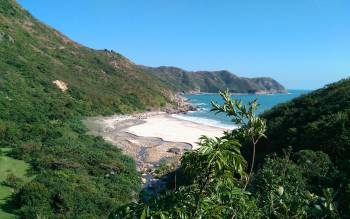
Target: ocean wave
191	112
200	104
205	121
203	109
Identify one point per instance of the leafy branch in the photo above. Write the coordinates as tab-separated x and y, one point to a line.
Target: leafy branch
251	126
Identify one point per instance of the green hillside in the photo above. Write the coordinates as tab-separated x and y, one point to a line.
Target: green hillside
319	120
75	174
36	53
213	81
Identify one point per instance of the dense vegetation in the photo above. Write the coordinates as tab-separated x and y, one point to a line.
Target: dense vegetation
35	54
213	81
305	184
74	175
319	120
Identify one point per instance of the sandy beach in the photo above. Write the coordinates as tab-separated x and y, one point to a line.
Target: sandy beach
150	138
173	129
153	134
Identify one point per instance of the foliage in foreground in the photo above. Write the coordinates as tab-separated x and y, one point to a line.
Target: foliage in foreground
284	188
217	168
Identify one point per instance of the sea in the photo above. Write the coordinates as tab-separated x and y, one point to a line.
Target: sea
203	102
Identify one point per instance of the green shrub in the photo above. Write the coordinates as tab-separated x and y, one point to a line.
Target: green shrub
280	187
13	181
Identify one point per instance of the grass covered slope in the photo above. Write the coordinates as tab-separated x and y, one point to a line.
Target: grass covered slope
76	175
10	167
214	81
319	120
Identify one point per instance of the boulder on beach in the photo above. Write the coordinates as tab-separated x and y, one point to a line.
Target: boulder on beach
174	150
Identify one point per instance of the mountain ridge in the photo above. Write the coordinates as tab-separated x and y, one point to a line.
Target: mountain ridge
213	81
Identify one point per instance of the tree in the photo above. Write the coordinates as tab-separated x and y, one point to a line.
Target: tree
215	191
217	177
251	126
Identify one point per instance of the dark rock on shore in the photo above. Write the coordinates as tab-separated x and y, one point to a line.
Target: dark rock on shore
180	105
174	150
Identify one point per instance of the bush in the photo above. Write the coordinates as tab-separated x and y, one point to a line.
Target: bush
280	187
318	169
301	189
13	181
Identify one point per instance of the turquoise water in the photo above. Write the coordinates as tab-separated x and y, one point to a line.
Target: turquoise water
203	101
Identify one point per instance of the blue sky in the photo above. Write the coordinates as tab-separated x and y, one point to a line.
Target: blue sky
303	44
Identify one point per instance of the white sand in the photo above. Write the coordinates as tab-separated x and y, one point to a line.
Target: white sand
173	129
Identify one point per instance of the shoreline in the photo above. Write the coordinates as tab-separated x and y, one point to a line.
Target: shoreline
174	129
263	92
149	120
204	121
151	138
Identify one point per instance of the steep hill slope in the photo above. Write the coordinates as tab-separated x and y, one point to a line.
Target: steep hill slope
213	81
319	120
47	83
33	50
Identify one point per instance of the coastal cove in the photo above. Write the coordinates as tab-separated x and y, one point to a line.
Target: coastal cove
156	138
129	121
151	139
